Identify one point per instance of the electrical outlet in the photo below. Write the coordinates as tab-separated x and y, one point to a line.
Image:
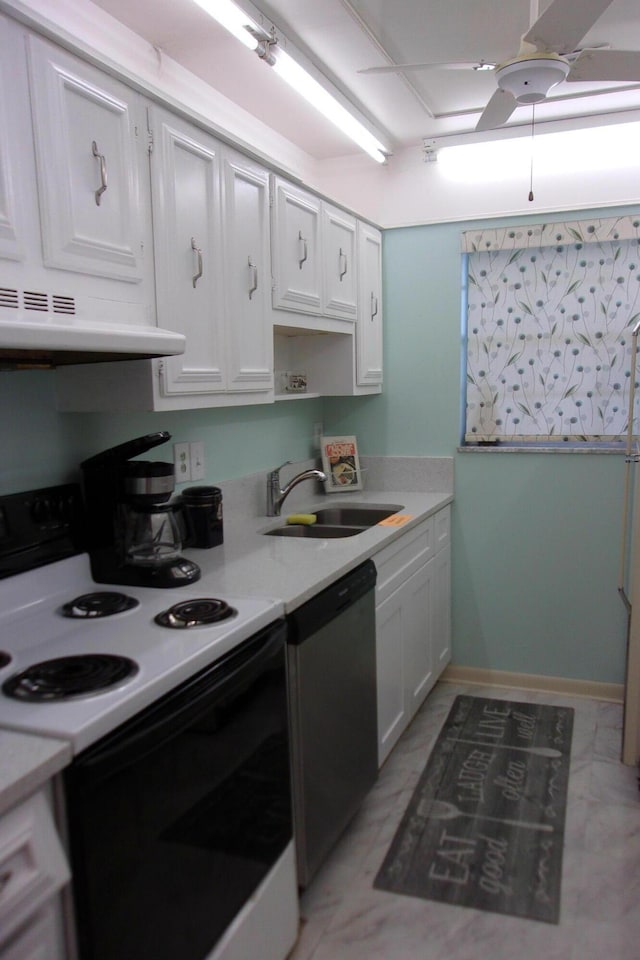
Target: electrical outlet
196	451
317	435
182	462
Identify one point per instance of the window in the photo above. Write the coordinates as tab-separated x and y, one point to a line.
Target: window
550	310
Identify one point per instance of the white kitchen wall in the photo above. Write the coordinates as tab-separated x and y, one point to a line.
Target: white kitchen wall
405	192
410	191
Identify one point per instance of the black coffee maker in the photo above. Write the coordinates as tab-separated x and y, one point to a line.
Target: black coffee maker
135	533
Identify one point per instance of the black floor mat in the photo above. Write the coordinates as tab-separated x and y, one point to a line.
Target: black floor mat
485	825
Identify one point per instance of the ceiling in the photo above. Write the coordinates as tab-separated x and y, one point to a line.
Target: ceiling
342	37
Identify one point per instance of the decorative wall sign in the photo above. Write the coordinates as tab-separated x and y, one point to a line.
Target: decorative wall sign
485	825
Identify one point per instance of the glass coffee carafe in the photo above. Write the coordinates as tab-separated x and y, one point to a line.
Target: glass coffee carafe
151	534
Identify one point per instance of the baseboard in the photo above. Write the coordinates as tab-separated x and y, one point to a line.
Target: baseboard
593	689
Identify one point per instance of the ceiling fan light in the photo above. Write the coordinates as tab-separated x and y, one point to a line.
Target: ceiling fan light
529	80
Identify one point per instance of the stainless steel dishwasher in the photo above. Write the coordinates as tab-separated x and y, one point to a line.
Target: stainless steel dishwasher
331	661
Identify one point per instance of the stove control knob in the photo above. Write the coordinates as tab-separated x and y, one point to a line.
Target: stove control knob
40	510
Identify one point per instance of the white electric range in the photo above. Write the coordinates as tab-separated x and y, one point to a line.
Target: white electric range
34	629
180	780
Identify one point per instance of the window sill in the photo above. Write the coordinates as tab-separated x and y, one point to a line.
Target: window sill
618	449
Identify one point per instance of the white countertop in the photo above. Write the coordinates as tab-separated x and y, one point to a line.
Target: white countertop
291	569
284	568
26	762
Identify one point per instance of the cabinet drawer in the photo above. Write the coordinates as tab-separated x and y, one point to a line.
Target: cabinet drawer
32	862
402	557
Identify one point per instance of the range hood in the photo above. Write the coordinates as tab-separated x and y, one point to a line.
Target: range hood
53	334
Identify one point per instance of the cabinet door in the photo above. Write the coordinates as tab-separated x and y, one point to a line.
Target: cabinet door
14	117
417	631
390	667
247	277
442	609
404	655
186	215
296	263
88	165
369	326
41	938
339	263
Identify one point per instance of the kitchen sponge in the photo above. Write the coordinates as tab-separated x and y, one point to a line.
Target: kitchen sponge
307	518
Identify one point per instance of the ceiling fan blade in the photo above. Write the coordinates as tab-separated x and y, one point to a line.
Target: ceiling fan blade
445	65
614	65
564	23
497	111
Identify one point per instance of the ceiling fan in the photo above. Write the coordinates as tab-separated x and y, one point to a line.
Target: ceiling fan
547	56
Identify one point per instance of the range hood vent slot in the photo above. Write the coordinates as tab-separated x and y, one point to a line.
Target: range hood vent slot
9	298
35	301
66	305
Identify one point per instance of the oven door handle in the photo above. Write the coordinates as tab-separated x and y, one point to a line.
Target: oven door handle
217	685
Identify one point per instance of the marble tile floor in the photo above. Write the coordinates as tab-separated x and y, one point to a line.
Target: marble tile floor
344	918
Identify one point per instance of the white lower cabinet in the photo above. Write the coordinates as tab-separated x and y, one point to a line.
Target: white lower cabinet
413	624
41	938
33	870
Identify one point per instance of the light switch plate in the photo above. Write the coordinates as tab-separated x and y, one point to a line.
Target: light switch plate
197	460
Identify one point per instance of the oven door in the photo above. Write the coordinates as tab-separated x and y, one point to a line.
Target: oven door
176	817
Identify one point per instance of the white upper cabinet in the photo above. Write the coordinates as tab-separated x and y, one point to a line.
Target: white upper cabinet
213	283
14	117
339	263
76	249
247	273
313	255
211	228
295	251
86	138
185	172
369	326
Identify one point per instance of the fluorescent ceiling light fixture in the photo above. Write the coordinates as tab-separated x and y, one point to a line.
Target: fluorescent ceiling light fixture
251	35
315	94
572	152
234	19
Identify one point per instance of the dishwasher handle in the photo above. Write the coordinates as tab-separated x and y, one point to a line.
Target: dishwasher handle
329	603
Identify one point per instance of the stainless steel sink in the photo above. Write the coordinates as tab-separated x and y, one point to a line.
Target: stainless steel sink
317	531
355	516
341	520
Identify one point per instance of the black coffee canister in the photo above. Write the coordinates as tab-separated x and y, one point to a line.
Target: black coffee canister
203	514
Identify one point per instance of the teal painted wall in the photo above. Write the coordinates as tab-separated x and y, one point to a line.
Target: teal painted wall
40	446
535	537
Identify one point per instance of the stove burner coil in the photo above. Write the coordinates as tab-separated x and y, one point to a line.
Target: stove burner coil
195	613
66	677
98	604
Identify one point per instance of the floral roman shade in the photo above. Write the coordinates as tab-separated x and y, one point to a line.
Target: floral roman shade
550	310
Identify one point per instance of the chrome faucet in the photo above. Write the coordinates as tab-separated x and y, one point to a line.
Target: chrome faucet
276	496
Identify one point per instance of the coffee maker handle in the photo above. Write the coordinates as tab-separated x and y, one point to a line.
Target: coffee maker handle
125	451
182	519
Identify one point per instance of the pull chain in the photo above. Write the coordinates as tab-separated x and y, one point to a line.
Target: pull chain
533	121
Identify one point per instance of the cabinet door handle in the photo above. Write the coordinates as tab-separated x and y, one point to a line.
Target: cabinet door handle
374	306
103	171
198	252
254	278
342	260
305	249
